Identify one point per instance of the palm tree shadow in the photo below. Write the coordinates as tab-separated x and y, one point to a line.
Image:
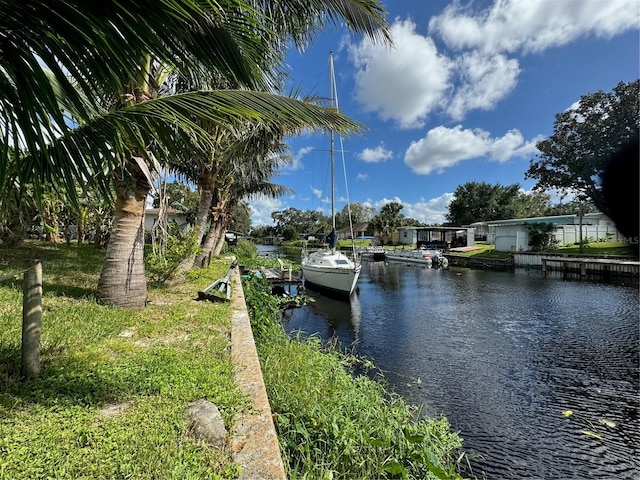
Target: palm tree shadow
62	382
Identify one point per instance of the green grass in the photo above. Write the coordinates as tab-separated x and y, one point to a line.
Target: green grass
600	249
109	400
335	424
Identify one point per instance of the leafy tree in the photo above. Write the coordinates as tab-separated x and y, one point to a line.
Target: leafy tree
113	84
572	159
241	215
542	236
290	233
572	208
359	213
482	202
304	221
387	221
533	204
181	197
262	231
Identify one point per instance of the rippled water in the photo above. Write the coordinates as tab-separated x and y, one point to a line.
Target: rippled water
502	356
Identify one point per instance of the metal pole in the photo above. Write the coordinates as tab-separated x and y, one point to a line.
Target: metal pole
31	321
580	214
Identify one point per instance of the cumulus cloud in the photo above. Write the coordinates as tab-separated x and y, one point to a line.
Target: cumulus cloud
532	26
362	176
375	155
261	209
444	147
411	81
484	81
403	83
296	164
431	211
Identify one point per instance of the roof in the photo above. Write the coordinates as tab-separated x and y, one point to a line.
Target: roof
435	229
155	211
555	219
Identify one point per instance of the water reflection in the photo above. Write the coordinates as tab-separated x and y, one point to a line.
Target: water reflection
330	317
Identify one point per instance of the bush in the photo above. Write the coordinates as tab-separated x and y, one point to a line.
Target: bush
542	236
180	245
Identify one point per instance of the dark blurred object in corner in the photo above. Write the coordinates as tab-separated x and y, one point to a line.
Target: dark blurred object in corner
620	188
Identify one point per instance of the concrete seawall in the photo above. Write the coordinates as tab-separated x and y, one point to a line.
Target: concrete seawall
255	441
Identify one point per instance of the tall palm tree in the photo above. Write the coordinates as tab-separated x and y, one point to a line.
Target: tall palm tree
246	168
59	63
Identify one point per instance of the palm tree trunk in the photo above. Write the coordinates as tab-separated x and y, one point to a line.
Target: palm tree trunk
205	184
209	243
122	281
221	238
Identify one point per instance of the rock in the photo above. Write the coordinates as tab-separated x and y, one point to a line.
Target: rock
205	423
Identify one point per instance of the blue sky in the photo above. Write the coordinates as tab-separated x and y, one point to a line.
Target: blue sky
464	94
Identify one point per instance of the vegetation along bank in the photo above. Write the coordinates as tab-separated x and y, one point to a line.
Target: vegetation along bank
332	419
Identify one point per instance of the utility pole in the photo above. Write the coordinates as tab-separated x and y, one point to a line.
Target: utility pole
580	215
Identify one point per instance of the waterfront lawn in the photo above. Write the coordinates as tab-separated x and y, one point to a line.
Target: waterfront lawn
113	385
334	423
600	249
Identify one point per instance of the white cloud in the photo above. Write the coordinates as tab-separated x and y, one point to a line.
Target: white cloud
484	81
261	209
533	25
316	192
375	155
431	211
297	164
362	176
403	83
444	147
412	80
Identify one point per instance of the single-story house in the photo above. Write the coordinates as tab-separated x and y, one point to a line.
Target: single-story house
513	236
173	215
438	237
360	229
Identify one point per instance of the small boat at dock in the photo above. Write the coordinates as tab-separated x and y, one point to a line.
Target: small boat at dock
423	256
375	253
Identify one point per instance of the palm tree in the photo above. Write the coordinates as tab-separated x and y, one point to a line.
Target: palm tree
76	75
245	169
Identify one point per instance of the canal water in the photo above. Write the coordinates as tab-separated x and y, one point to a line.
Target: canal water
505	357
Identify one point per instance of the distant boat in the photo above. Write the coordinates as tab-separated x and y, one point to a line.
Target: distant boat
330	269
375	253
423	256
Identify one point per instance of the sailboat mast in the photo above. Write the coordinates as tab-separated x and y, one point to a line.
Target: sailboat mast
331	146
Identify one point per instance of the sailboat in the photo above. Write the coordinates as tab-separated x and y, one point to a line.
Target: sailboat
330	269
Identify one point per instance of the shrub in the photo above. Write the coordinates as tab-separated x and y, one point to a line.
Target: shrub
542	236
180	245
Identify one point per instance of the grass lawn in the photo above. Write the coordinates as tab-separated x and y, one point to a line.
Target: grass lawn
114	383
600	249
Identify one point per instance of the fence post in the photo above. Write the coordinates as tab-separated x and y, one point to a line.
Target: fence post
31	321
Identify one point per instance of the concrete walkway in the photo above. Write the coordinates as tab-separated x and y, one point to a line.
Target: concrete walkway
255	441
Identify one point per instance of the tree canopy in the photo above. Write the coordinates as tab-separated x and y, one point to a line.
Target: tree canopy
388	221
482	202
584	138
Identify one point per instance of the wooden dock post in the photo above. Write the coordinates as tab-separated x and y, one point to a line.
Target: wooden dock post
31	321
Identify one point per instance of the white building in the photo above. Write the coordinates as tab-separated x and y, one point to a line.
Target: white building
513	236
151	217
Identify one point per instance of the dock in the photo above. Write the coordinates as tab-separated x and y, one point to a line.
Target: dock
596	267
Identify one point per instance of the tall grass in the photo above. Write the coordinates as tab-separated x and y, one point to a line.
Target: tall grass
335	424
113	386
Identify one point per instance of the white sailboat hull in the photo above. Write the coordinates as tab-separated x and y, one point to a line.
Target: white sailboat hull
332	271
